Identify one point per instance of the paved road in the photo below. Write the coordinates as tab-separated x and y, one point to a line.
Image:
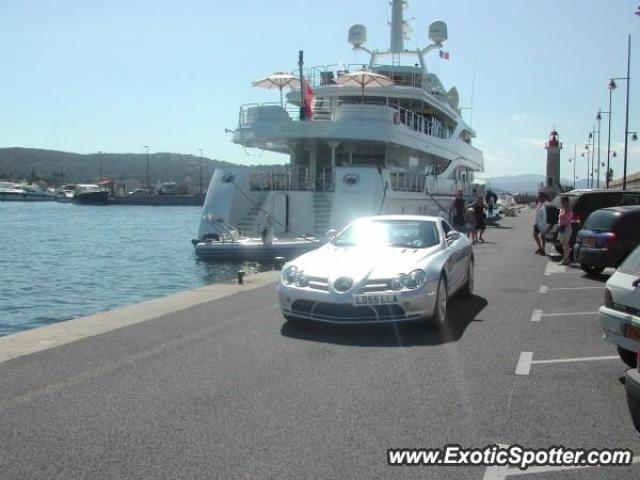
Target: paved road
227	389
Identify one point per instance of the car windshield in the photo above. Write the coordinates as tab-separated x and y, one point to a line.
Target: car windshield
392	233
601	220
632	264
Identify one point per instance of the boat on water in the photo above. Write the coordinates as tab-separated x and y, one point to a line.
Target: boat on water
384	139
10	191
91	194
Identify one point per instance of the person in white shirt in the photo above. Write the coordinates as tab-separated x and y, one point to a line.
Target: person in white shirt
540	226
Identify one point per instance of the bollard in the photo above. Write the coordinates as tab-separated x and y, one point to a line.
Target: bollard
240	277
279	262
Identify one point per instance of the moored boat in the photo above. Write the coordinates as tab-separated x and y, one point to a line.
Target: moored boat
91	194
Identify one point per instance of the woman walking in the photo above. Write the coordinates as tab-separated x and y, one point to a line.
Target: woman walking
479	216
564	232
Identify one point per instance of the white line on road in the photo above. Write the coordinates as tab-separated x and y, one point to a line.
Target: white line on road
536	315
571	360
524	363
567	314
501	473
553	267
546	289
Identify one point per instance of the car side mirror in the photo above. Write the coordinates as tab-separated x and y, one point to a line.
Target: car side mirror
331	234
452	236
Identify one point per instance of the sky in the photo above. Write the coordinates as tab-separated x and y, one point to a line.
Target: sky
89	75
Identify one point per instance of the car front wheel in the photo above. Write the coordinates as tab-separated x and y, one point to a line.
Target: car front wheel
467	289
439	316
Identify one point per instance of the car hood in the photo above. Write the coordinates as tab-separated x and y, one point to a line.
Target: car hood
332	262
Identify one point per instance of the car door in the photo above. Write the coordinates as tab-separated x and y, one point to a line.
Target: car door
456	271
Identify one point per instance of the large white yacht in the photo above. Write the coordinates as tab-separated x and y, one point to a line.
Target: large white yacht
399	148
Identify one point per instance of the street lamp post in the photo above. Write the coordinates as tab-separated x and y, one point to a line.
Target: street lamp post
599	119
201	160
626	121
147	147
100	162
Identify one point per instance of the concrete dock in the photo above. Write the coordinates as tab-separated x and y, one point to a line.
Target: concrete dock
213	383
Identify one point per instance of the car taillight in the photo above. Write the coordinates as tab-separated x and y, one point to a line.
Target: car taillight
611	240
608	298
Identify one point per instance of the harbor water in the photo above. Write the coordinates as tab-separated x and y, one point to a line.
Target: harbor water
60	261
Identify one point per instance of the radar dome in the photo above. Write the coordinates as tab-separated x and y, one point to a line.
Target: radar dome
358	35
438	31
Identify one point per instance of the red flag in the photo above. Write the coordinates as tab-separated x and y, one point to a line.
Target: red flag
444	55
308	100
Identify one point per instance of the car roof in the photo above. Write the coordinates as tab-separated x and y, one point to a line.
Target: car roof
623	208
402	217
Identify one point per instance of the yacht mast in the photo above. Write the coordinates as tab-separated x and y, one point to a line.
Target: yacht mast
397	26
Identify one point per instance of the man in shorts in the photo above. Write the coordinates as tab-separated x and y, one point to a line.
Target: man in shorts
540	226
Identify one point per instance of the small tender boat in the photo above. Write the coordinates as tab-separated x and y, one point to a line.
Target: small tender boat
224	242
254	248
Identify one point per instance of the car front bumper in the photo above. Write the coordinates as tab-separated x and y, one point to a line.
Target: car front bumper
332	307
632	388
613	323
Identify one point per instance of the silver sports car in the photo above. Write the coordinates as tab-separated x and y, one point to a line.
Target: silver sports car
380	269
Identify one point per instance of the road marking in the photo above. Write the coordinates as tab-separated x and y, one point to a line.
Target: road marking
501	473
553	267
572	360
524	363
546	289
536	316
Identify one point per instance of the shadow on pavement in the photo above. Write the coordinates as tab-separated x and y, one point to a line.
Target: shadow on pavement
461	314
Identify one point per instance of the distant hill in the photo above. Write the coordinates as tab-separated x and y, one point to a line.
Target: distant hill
49	166
528	183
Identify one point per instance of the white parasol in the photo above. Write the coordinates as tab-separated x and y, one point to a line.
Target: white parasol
278	80
364	78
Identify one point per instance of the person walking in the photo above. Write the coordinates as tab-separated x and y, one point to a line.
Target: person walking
479	218
458	213
540	225
564	231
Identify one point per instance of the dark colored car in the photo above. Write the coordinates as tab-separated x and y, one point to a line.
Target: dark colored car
607	237
583	203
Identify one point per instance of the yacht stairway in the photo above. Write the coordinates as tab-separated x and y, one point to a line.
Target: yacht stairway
247	223
322	212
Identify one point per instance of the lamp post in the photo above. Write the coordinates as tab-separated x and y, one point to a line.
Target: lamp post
100	163
147	147
575	160
599	120
201	159
592	147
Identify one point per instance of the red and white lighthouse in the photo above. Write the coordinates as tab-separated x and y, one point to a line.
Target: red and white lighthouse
553	147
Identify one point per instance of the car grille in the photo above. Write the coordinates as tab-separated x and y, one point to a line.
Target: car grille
347	313
626	309
379	285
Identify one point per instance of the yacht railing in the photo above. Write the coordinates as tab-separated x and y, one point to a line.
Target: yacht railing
300	180
419	122
408	181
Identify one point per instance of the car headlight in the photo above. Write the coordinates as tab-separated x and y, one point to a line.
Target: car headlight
415	279
289	274
397	282
302	280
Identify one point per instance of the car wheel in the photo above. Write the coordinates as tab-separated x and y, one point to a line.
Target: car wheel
467	289
439	316
591	269
628	357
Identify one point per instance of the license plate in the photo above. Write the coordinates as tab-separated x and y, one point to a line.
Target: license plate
632	332
375	299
